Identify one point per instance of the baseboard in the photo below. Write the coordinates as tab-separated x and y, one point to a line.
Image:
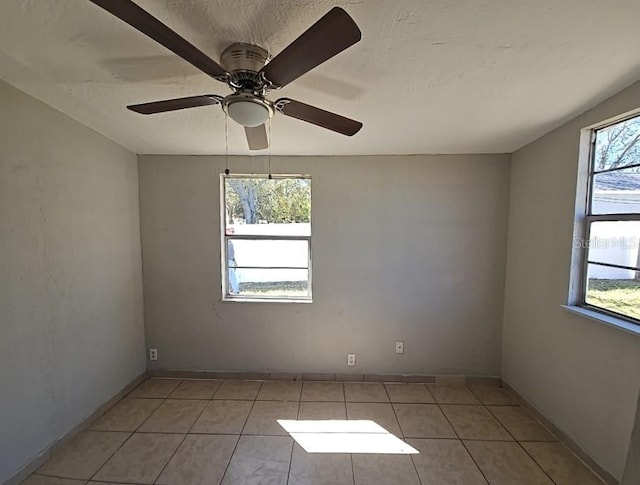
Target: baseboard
564	438
45	454
323	376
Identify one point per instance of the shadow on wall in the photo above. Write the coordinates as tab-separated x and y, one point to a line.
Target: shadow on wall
632	469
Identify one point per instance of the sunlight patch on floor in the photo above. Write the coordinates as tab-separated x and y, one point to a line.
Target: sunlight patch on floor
345	436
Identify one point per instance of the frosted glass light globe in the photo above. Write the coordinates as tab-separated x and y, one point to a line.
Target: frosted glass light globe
248	113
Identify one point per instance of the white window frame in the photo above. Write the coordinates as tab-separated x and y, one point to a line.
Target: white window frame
224	241
590	218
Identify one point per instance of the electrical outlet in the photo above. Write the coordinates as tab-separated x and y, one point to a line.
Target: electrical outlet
153	354
351	359
400	347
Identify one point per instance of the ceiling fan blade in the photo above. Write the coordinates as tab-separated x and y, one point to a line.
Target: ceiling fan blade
317	116
329	36
257	137
143	21
175	104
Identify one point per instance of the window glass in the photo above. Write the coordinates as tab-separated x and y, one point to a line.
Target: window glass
277	207
611	279
616	192
267	238
617	146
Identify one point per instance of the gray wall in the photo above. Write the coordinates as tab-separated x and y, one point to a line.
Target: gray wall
404	248
579	373
632	468
71	328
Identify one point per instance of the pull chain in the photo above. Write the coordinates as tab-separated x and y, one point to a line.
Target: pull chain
269	144
226	143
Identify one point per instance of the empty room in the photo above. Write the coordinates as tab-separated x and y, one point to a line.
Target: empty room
327	242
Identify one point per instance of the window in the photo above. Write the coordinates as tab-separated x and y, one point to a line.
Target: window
266	238
611	264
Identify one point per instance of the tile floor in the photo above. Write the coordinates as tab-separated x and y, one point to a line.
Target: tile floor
182	432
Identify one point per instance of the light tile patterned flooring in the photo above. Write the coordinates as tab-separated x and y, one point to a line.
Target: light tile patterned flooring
169	431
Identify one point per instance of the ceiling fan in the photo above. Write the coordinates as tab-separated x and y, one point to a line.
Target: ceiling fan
250	72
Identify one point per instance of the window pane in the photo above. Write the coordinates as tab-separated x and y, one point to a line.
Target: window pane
616	192
271	282
269	253
615	242
614	289
277	207
617	145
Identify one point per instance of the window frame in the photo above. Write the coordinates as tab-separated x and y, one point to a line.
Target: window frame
590	218
224	242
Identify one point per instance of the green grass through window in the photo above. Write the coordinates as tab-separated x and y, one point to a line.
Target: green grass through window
620	296
289	288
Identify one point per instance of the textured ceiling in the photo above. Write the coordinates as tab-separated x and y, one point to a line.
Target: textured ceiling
437	76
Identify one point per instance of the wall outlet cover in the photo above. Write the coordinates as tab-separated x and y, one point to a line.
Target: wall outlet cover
351	359
153	354
400	347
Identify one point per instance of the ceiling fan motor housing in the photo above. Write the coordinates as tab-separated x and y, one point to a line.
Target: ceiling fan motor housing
243	62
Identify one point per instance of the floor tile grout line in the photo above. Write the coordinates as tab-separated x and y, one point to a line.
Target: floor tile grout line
350	432
353	472
335	401
150	414
134	432
536	462
475	394
516	441
533	418
589	469
119	483
517	404
293	444
181	442
254	398
48	475
555	438
520	444
491	415
346	417
393	410
465	386
464	445
196	398
91	426
202	433
498	421
226	469
286	400
395	415
380	402
430	394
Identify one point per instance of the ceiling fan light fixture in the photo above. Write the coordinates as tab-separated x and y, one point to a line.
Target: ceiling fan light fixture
247	110
250	72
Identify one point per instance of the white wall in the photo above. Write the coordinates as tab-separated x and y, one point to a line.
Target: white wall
71	328
404	248
580	374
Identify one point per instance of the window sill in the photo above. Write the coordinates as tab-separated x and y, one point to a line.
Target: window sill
608	320
264	300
